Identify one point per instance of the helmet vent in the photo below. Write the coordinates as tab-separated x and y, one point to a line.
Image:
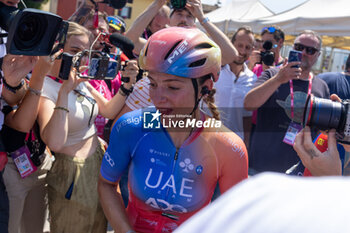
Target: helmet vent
172	49
203	46
198	63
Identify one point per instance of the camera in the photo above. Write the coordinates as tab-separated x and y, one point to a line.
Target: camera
178	4
100	65
267	57
325	114
31	32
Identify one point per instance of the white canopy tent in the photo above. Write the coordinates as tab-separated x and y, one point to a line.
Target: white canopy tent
238	12
329	18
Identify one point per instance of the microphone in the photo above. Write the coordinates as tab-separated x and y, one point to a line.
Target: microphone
122	42
116	4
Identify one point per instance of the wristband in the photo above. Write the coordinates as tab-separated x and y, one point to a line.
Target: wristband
126	91
131	231
61	108
35	92
11	88
204	21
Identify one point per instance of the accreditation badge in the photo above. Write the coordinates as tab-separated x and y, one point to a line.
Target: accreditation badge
292	131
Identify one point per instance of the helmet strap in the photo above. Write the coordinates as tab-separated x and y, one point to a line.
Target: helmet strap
196	99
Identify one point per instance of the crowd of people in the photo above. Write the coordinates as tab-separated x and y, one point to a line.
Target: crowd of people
146	151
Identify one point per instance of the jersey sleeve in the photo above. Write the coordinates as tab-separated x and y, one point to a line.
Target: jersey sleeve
233	160
118	155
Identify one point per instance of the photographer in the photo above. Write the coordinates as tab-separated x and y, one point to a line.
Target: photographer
66	115
280	95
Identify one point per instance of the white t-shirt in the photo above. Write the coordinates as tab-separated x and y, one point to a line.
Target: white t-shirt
277	203
79	111
229	97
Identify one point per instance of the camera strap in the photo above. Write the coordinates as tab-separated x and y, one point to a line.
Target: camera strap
292	94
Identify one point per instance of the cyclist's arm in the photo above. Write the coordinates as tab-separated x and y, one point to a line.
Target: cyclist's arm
233	160
113	206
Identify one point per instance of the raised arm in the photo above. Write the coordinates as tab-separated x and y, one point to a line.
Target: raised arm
141	22
110	109
23	118
260	94
15	68
228	51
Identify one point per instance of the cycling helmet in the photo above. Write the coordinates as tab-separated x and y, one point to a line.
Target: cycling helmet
117	23
185	52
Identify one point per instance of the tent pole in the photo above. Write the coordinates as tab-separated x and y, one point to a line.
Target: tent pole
226	27
331	59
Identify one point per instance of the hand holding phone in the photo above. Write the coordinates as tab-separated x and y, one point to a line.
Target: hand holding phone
295	56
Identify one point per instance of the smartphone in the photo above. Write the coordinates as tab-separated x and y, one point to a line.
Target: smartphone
103	68
295	56
66	66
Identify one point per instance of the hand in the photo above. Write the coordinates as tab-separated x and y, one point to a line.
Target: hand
319	164
196	9
16	67
254	58
72	82
287	72
45	63
131	70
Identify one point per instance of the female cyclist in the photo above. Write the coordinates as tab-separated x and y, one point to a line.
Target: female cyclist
173	171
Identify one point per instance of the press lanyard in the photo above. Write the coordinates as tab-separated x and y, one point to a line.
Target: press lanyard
292	94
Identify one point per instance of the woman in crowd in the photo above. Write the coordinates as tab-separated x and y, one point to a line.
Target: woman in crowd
173	171
66	118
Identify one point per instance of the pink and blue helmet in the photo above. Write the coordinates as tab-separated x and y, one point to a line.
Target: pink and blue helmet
184	52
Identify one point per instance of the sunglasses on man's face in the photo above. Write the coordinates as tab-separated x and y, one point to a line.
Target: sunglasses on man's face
309	50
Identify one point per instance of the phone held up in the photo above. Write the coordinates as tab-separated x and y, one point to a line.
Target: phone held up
295	56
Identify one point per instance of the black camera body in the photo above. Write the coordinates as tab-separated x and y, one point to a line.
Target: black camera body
267	56
31	32
325	114
178	4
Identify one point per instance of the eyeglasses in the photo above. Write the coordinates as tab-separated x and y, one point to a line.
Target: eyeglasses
309	50
92	101
269	29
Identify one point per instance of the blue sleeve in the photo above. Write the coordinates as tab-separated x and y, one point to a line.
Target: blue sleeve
118	154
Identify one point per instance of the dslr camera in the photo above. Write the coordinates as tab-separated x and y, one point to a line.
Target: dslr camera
267	56
31	32
325	114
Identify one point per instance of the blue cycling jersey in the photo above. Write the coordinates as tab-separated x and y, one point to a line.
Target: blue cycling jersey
168	184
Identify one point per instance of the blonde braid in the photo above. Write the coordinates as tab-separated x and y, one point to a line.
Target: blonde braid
210	101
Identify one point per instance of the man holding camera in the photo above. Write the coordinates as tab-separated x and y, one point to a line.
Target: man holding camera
280	95
272	39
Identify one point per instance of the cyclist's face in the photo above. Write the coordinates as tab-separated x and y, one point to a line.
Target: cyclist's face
171	94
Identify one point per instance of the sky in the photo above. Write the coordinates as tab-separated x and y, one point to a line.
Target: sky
274	5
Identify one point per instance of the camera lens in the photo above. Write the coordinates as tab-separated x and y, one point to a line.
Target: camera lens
324	114
30	31
267	45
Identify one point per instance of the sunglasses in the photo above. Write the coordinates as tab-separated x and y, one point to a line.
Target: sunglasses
309	50
269	29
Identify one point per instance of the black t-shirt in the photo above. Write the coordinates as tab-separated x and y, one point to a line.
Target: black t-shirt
268	152
338	83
